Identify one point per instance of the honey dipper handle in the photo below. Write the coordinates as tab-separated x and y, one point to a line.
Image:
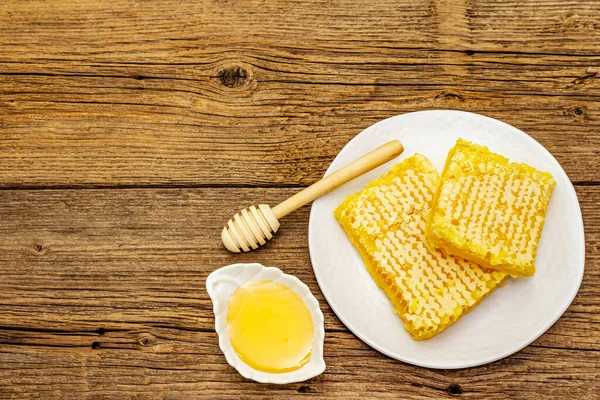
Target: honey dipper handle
369	161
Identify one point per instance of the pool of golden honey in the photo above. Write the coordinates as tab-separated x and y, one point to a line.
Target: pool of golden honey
270	327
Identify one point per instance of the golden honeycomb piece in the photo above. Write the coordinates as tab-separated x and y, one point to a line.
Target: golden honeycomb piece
489	210
386	223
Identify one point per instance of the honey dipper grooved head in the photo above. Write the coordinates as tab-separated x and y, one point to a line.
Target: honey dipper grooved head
249	229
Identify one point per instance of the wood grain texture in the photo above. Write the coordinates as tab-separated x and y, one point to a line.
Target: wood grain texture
169	94
131	130
103	291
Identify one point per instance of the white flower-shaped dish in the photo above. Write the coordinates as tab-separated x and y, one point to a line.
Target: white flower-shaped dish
221	283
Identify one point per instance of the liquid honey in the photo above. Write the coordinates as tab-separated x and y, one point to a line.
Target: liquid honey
270	327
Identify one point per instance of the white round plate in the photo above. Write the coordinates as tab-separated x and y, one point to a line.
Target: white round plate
512	316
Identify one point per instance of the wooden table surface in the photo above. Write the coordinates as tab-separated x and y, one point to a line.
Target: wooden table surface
130	131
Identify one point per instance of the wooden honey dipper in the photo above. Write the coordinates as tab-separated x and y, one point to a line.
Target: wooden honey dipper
253	226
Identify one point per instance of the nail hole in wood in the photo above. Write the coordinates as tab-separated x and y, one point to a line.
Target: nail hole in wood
455	389
101	331
304	389
96	345
578	111
38	247
233	77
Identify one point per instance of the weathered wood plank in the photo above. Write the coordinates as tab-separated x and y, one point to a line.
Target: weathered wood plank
142	255
138	94
151	362
103	291
182	126
172	31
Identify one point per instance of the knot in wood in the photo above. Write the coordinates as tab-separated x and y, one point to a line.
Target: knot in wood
576	111
455	389
146	340
304	389
39	249
233	77
447	95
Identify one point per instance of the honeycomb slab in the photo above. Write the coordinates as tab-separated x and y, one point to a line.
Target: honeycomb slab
386	223
489	210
